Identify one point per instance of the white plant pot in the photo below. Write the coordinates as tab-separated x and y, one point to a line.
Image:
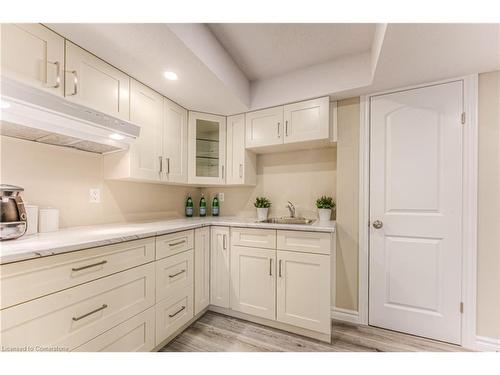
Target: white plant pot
262	214
325	214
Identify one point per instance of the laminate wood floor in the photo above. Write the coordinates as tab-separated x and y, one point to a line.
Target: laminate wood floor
215	332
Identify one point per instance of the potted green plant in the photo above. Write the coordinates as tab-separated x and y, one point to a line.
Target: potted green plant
325	205
262	204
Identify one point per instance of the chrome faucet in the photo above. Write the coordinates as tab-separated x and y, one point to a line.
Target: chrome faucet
291	208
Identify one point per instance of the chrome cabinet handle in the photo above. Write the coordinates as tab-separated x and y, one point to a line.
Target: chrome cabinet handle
174	314
241	170
377	224
279	136
176	243
222	172
286	128
177	274
224	242
75	82
270	266
161	163
168	165
89	266
279	268
90	313
58	74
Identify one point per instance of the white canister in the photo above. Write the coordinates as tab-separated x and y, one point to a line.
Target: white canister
48	220
32	219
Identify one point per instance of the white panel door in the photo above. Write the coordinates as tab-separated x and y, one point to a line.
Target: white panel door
416	195
34	55
146	110
241	164
307	121
264	128
219	267
94	83
303	290
253	281
175	142
201	269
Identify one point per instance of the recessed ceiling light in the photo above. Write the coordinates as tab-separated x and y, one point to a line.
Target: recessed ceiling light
4	104
171	76
116	136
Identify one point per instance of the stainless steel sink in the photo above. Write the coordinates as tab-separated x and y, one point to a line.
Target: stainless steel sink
288	220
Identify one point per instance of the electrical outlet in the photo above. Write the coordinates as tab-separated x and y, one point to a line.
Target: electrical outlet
95	195
221	197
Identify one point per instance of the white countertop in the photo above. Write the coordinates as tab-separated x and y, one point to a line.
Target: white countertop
84	237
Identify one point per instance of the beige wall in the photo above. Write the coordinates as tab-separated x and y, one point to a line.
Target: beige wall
488	283
58	177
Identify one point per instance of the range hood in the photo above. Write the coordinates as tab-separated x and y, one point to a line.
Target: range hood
36	115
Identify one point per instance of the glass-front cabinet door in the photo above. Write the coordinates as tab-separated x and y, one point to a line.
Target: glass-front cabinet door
207	148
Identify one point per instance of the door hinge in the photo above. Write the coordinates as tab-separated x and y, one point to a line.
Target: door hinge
463	118
461	307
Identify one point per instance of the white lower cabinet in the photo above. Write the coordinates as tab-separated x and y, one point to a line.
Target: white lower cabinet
201	269
172	313
303	290
174	273
134	335
253	281
219	267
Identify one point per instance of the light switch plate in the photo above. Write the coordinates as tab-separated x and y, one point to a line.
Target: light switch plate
94	195
221	197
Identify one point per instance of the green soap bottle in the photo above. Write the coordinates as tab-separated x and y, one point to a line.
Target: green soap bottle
215	206
203	206
189	206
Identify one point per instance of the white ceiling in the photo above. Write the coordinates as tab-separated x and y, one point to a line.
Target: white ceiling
229	69
266	50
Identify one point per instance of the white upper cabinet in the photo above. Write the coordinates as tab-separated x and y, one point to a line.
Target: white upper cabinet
264	128
175	142
207	149
94	83
241	164
307	121
34	55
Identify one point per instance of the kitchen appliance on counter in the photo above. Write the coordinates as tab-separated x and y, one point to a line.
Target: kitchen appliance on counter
13	213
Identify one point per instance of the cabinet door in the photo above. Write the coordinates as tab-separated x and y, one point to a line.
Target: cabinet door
34	55
219	267
201	269
307	121
241	164
303	290
146	110
253	281
94	83
264	128
175	142
207	148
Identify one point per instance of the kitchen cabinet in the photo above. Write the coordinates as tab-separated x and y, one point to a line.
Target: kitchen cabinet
34	55
207	149
303	290
174	273
94	83
253	281
175	142
307	120
254	237
219	267
264	127
241	163
201	269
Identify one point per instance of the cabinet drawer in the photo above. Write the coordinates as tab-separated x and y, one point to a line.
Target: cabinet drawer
24	281
74	316
263	238
173	273
134	335
307	242
174	243
173	313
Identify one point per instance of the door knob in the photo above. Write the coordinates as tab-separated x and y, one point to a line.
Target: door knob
377	224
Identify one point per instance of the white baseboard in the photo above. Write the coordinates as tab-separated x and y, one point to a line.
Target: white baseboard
487	344
350	316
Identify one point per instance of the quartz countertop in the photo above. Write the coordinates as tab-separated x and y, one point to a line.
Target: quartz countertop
84	237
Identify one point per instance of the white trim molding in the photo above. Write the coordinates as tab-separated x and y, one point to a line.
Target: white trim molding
487	344
469	208
345	315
